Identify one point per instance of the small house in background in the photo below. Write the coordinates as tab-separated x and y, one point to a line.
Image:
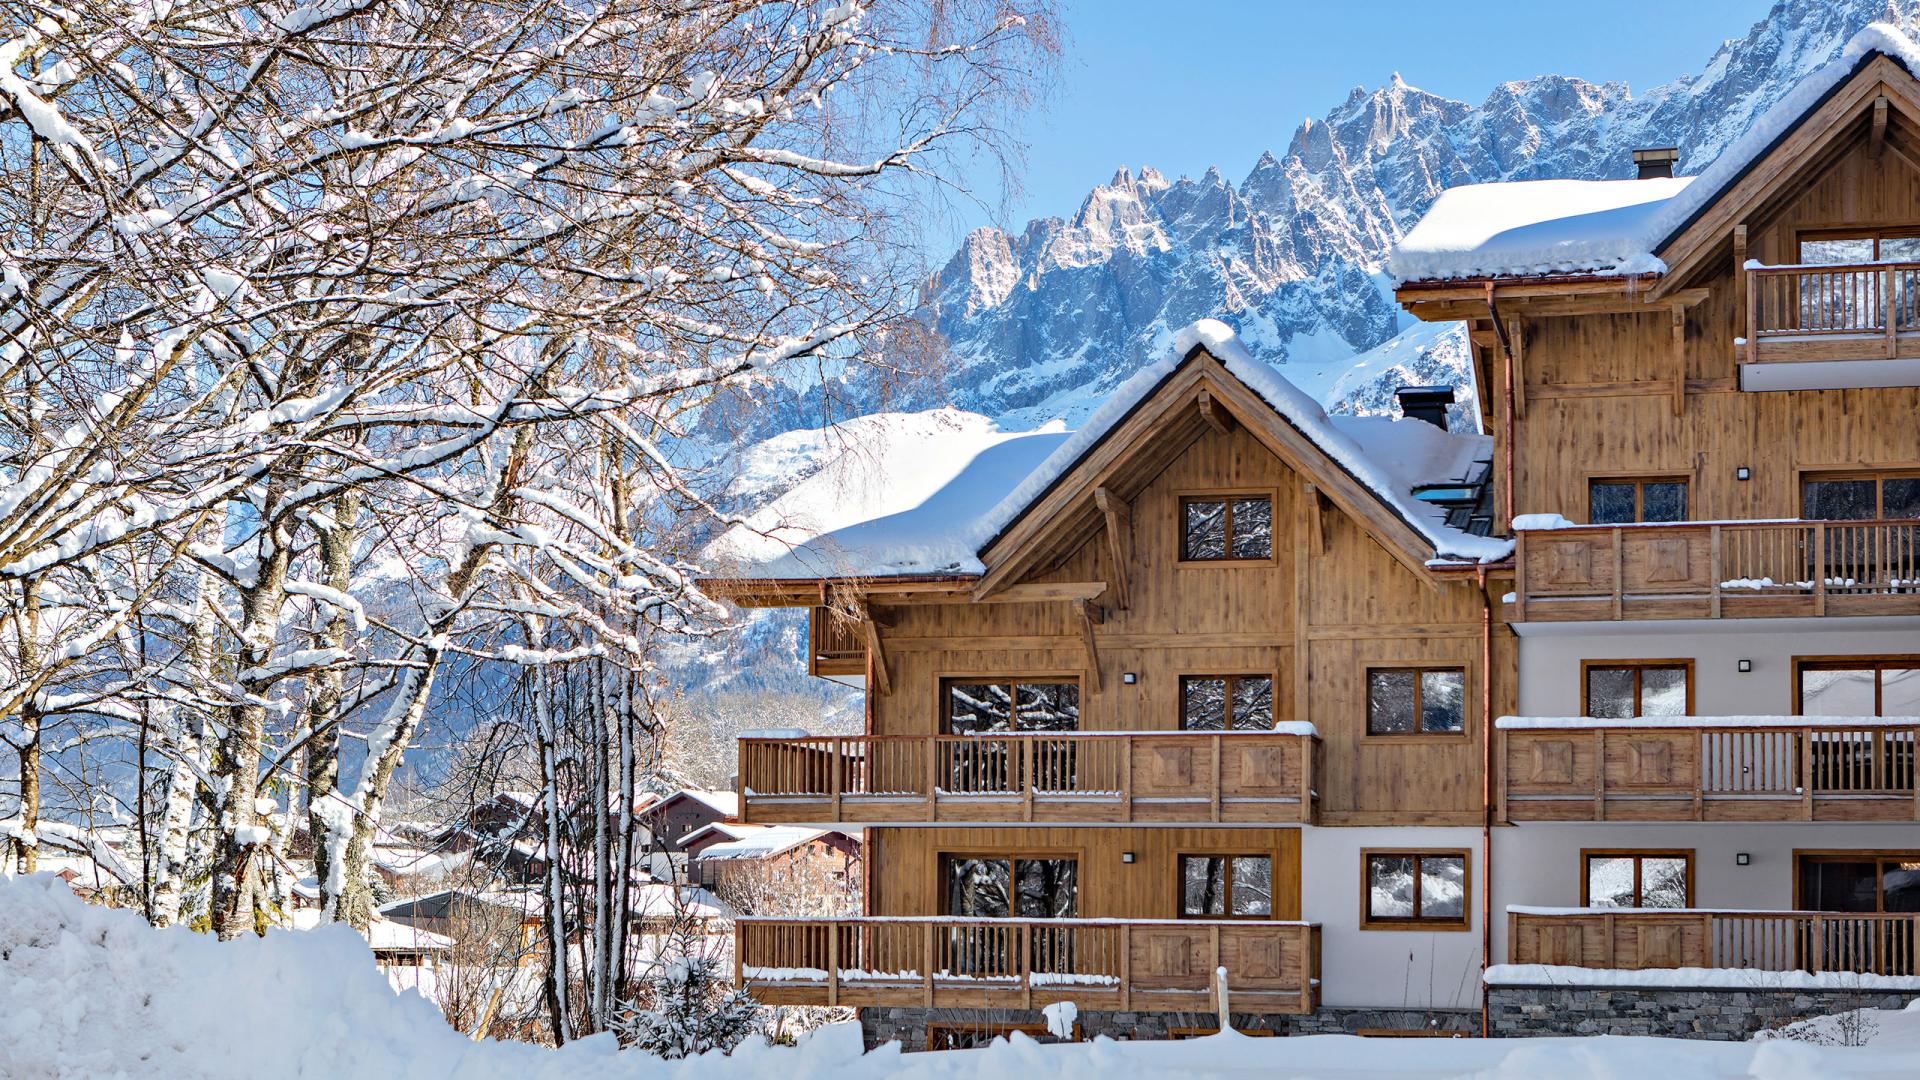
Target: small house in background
723	850
670	820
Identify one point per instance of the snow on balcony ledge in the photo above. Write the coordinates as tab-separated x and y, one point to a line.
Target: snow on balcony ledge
1692	978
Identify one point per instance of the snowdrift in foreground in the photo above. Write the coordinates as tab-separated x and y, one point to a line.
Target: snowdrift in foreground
91	992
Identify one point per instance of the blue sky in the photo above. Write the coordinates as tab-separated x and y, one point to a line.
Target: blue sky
1184	84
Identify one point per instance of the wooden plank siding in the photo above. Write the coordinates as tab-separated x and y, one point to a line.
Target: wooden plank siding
1313	617
908	872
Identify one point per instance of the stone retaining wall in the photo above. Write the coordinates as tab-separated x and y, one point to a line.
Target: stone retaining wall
909	1026
1684	1013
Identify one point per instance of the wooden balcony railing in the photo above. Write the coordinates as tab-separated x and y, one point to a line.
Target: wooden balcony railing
1147	776
1638	938
1713	570
1164	965
1709	769
1864	311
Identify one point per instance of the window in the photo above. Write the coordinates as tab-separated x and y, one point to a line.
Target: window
997	887
1226	886
1226	528
1636	879
1833	247
1622	689
1859	881
980	706
1860	496
1226	702
1625	501
1414	889
1414	701
1860	686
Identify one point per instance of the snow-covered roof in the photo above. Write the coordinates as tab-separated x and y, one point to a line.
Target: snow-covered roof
910	503
383	935
759	842
724	802
1542	227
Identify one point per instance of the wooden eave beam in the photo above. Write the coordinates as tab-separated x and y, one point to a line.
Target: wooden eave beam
876	655
1119	532
1216	418
1877	135
1091	616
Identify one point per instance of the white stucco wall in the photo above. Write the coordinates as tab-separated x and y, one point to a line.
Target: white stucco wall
1386	968
1539	864
1550	656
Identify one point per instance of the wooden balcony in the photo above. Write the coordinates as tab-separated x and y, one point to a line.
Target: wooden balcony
1084	777
1639	938
1831	327
1707	769
1713	570
1162	966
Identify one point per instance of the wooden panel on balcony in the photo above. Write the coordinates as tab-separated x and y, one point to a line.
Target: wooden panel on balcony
1166	966
1641	938
1807	771
1723	570
1146	777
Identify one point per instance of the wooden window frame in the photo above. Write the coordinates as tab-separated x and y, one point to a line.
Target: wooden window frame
1639	482
1272	678
1639	690
942	700
1013	858
1878	474
1180	884
1875	233
1876	661
1419	731
1416	921
1226	495
1873	855
1636	854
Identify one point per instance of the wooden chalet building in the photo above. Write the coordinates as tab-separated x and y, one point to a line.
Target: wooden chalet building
1408	729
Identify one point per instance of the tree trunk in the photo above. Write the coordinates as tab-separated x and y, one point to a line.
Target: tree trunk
343	896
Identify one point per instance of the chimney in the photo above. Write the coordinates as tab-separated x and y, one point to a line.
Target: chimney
1427	403
1657	163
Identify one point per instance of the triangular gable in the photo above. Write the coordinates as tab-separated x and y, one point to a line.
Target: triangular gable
1796	143
1155	430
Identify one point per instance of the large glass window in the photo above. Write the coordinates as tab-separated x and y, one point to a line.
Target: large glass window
1414	701
1637	879
1618	691
1226	702
1860	881
1226	527
1625	501
1226	886
980	706
1858	246
990	887
1415	888
1860	496
1860	686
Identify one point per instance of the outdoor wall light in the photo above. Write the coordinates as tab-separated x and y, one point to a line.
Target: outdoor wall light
1743	473
1127	856
1129	678
1746	666
1741	858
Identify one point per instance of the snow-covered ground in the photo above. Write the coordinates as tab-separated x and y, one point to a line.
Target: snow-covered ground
88	992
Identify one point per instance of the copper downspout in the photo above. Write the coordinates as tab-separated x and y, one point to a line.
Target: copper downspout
1486	794
1506	407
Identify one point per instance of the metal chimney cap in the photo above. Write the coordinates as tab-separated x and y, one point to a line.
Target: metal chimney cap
1656	162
